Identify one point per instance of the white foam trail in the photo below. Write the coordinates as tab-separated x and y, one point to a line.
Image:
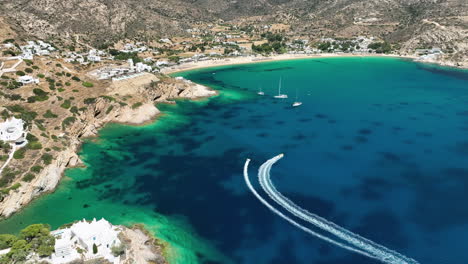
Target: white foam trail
375	250
305	229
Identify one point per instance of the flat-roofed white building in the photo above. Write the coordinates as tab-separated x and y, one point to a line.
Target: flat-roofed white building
12	130
27	79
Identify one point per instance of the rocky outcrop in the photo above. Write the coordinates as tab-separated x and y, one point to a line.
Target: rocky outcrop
87	125
140	247
46	181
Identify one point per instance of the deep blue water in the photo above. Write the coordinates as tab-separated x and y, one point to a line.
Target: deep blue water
379	146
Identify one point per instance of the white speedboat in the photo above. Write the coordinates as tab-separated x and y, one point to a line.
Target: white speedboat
280	96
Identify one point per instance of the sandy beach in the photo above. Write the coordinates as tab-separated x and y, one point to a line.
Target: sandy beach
256	59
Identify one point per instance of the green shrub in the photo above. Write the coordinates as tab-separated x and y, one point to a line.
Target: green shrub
136	105
68	121
41	95
19	154
31	138
87	84
49	114
34	145
95	249
108	98
76	79
15	186
66	104
47	158
74	110
20	73
28	70
28	177
109	109
89	101
36	168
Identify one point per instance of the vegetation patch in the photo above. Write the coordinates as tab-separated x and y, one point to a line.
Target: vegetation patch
66	104
68	121
49	114
47	158
136	105
87	84
33	239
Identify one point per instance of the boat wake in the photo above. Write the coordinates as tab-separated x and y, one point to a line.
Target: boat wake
338	236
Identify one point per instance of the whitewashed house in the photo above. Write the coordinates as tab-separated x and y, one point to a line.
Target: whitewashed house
78	241
12	130
162	63
141	67
93	56
27	79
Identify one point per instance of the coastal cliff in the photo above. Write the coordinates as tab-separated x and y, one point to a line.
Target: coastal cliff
101	112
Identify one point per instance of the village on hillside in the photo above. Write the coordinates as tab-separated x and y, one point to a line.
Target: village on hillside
204	42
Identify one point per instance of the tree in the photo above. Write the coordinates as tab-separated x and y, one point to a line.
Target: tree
33	231
7	241
95	250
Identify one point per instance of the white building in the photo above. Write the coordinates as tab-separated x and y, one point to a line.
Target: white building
93	56
78	241
141	67
162	63
40	48
27	79
12	130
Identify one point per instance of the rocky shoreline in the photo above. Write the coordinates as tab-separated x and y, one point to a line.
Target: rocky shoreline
94	118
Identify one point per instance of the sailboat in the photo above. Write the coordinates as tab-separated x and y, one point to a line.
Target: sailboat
280	96
296	103
260	92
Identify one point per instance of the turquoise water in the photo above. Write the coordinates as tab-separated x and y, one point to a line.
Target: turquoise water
379	146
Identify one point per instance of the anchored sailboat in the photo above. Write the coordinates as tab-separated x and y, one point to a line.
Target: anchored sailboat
260	92
296	103
280	96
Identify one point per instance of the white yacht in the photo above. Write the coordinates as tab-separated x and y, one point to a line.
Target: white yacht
280	96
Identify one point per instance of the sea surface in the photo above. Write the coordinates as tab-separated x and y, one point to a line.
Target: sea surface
379	146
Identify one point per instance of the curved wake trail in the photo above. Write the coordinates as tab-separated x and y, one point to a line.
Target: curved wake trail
356	243
291	221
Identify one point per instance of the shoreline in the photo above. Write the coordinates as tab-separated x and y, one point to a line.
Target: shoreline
49	178
284	57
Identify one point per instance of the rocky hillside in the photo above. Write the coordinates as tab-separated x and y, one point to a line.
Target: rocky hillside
411	23
104	19
100	20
